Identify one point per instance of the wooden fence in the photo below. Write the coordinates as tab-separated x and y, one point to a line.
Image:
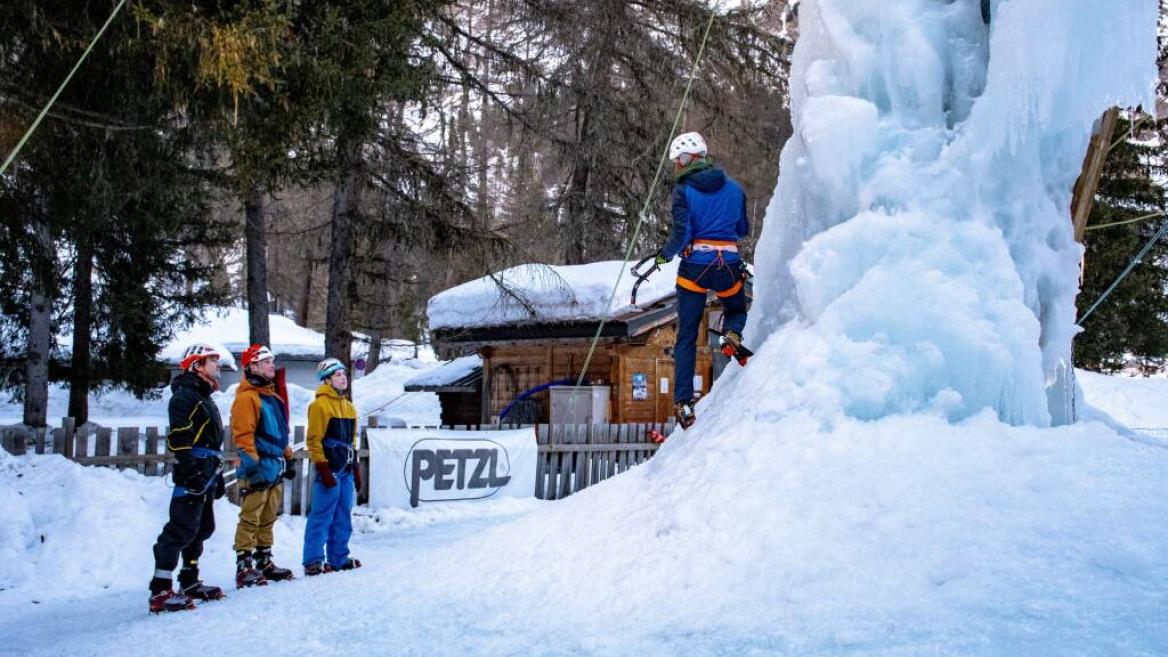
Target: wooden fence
571	457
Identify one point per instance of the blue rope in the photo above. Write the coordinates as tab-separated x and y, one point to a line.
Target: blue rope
1127	270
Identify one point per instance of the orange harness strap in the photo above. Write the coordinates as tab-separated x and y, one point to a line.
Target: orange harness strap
731	291
690	285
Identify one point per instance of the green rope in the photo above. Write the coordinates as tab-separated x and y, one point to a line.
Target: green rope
1125	221
32	128
644	209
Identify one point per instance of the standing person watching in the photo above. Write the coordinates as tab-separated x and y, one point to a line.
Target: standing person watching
259	426
196	440
332	446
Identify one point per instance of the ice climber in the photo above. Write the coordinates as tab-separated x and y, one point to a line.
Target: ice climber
709	217
332	445
259	426
196	441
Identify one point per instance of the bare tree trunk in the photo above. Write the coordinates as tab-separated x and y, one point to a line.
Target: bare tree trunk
79	374
306	295
374	359
257	269
338	340
40	336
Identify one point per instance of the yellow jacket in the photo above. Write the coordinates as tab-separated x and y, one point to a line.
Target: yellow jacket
332	429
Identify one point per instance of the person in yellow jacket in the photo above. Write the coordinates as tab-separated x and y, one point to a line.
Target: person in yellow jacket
332	446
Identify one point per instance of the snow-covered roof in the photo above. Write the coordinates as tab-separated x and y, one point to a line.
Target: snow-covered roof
229	327
463	372
547	293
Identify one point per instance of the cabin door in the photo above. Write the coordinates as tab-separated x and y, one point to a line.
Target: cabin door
663	389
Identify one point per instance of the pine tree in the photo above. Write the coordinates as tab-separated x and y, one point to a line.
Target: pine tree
1131	326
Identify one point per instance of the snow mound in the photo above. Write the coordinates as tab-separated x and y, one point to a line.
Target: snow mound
71	530
888	537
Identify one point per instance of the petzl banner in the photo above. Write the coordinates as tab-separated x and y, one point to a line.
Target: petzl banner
408	467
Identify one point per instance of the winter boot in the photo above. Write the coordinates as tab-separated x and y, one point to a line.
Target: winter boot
350	564
684	411
272	572
317	568
732	348
164	599
246	574
194	588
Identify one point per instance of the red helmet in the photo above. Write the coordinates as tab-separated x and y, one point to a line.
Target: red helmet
196	353
256	353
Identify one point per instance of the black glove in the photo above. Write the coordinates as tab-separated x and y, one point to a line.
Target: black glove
289	470
220	486
188	473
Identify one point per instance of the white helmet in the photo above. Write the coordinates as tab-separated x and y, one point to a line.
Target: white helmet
328	367
690	143
196	353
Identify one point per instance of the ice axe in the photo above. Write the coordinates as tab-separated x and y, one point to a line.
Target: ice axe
641	278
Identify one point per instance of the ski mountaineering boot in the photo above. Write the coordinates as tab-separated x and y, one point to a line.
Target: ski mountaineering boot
272	572
317	568
163	598
246	573
350	564
732	347
194	588
684	411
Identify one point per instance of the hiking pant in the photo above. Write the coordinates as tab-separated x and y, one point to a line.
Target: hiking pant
723	278
192	521
257	515
330	521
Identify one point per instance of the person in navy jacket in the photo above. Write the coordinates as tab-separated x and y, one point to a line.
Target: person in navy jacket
709	217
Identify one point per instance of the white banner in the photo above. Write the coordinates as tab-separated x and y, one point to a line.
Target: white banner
411	466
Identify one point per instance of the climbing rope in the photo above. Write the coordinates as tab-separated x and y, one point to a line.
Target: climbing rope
644	210
1127	270
32	128
1125	221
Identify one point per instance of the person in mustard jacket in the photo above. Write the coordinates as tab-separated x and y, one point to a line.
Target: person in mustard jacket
259	426
332	446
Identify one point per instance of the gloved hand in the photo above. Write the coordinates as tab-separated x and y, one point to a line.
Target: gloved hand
188	473
324	474
357	476
289	470
660	258
220	487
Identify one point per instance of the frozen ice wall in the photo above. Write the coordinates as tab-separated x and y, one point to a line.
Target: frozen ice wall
918	251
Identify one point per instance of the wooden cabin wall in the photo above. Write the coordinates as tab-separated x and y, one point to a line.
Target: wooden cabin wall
460	408
509	371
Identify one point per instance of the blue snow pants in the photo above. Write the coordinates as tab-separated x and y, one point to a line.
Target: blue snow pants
718	277
330	521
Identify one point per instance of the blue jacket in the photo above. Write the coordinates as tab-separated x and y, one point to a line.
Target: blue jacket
259	425
707	205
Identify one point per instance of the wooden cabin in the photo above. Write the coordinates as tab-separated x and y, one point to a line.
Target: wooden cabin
631	369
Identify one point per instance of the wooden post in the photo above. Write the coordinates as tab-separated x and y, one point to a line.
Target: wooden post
41	432
104	440
127	443
1087	185
68	428
152	469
